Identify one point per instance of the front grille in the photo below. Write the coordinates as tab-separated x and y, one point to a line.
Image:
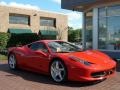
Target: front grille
103	73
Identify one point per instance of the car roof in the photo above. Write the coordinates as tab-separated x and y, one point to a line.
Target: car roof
46	41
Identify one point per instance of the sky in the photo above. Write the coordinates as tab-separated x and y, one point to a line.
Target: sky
74	18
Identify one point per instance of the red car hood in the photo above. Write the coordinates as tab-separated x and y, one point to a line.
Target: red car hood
94	56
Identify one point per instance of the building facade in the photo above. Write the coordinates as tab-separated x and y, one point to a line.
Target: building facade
48	24
101	24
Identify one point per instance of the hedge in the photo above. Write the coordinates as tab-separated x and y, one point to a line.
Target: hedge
4	38
22	39
10	40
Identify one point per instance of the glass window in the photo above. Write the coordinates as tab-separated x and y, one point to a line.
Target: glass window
114	33
113	10
102	12
56	46
38	46
109	28
102	33
47	22
19	19
89	28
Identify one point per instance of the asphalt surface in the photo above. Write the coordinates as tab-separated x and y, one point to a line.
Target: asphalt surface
24	80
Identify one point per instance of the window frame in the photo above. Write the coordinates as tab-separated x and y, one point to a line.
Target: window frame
47	18
14	15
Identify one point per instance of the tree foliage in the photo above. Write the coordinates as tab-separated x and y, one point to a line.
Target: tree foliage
74	35
4	38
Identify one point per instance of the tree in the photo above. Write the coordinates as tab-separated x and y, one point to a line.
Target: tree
61	30
74	35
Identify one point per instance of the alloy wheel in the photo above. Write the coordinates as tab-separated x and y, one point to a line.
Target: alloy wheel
58	71
12	62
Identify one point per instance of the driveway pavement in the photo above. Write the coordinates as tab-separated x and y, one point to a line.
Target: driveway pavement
23	80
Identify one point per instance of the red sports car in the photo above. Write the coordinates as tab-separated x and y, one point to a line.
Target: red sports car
62	61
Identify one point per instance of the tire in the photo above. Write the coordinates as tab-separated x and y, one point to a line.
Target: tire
12	62
58	71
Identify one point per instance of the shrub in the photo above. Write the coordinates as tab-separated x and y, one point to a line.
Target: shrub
22	39
11	40
4	38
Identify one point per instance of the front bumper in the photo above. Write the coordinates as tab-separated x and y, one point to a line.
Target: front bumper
86	74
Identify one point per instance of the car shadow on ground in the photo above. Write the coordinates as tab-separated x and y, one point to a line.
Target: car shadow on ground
34	77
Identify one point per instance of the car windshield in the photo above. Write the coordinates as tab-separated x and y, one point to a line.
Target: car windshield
65	47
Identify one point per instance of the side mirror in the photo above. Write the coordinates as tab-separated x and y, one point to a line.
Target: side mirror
40	52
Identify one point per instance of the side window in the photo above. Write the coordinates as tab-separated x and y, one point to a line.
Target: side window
38	46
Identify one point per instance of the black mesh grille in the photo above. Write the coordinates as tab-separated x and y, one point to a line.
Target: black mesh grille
103	73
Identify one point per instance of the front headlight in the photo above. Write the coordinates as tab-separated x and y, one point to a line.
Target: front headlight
80	60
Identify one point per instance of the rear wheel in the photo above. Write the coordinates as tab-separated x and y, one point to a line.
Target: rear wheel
58	71
12	61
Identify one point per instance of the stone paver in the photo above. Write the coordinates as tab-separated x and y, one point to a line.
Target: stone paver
23	80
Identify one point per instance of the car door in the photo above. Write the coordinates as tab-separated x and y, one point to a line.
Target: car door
38	58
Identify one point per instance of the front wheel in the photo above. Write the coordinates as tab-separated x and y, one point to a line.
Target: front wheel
12	61
58	71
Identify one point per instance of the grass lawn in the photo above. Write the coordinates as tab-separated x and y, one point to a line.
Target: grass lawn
3	57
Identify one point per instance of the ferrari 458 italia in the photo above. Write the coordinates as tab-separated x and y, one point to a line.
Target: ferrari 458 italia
62	61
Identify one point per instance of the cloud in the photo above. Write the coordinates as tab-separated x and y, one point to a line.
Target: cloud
74	16
3	3
74	19
19	5
57	1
